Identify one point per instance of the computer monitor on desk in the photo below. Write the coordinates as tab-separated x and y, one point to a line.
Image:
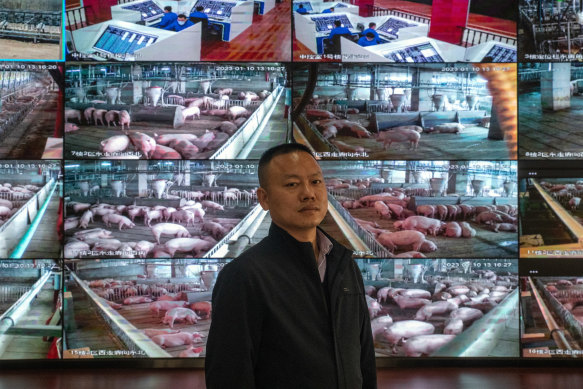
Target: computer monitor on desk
233	17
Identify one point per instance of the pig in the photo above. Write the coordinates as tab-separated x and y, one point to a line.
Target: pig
458	290
85	219
172	297
158	306
235	111
319	114
426	210
124	118
216	112
183	216
418	129
382	209
173	340
453	326
451	128
150	332
437	307
574	203
427	247
190	111
215	229
71	223
203	141
78	207
329	132
358	130
405	302
415	293
411	254
121	221
70	127
417	346
168	213
227	127
380	324
187	245
170	138
212	205
88	114
225	91
163	152
72	114
467	210
202	309
373	306
467	315
98	115
103	245
488	217
73	248
143	143
504	227
176	230
111	116
383	293
407	329
143	248
115	144
191	352
405	135
397	210
152	215
467	230
453	230
97	233
342	146
402	238
137	300
422	224
180	314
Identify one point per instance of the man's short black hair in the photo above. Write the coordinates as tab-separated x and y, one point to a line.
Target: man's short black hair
200	8
168	8
182	16
369	35
268	155
301	6
372	24
337	23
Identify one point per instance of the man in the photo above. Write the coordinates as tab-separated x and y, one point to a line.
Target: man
328	11
371	29
338	30
367	40
301	10
168	18
199	14
179	24
290	311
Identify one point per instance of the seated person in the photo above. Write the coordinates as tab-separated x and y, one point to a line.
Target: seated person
328	11
371	29
199	14
180	24
301	10
338	30
367	40
168	18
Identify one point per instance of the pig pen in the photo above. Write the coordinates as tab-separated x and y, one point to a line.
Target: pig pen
230	217
110	330
473	140
552	317
27	309
486	243
551	219
38	208
414	305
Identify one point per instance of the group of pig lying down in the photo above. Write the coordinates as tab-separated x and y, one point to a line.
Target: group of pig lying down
188	143
330	125
19	195
194	242
412	227
568	292
417	322
169	299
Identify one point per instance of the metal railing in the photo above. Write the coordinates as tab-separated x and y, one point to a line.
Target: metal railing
10	293
77	18
379	11
472	37
378	249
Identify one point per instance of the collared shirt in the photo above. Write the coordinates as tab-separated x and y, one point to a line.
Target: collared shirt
365	42
325	246
338	31
376	34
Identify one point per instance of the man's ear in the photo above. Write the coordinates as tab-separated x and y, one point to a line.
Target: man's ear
263	198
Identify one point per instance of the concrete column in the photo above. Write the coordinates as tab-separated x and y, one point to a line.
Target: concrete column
142	178
373	77
421	96
459	179
555	87
186	173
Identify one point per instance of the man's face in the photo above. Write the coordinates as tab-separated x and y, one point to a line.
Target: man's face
295	193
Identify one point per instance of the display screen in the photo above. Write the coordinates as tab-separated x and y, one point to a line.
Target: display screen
416	53
501	54
326	23
117	40
392	26
307	5
215	9
148	10
180	110
443	307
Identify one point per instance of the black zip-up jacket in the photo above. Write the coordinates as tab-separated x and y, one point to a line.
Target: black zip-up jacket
276	325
